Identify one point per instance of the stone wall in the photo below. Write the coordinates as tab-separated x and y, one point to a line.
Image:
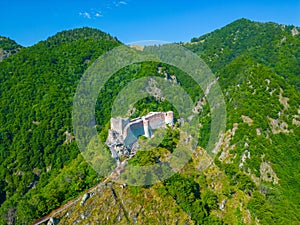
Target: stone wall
126	132
118	124
132	131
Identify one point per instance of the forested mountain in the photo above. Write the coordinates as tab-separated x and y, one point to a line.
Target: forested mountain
270	44
253	180
258	65
8	47
37	87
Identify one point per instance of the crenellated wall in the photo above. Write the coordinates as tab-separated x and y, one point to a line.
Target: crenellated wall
126	132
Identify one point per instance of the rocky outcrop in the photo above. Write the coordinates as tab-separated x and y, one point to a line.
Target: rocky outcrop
296	122
283	100
278	126
69	137
295	31
267	173
247	120
246	155
4	54
85	197
8	47
223	204
224	145
53	221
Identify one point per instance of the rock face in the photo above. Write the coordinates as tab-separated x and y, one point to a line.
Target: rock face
267	173
124	132
295	31
53	221
223	204
4	54
8	47
85	197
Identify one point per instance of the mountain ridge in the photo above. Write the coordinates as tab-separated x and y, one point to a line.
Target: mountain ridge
239	34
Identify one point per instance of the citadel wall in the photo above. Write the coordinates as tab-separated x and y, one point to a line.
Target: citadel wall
126	132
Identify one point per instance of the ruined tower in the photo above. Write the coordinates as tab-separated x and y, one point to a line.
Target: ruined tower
169	118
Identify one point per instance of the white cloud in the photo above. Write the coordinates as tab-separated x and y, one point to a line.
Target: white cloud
98	14
119	3
85	15
91	14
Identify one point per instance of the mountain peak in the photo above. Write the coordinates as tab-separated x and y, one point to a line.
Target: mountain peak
80	33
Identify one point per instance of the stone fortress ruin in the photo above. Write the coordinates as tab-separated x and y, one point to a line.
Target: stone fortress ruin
124	133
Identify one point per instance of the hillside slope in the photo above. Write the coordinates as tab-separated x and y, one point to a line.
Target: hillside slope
259	71
36	89
273	45
255	177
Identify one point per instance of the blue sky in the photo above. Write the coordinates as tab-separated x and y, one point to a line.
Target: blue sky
29	21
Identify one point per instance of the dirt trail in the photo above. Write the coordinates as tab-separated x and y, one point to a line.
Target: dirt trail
72	202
